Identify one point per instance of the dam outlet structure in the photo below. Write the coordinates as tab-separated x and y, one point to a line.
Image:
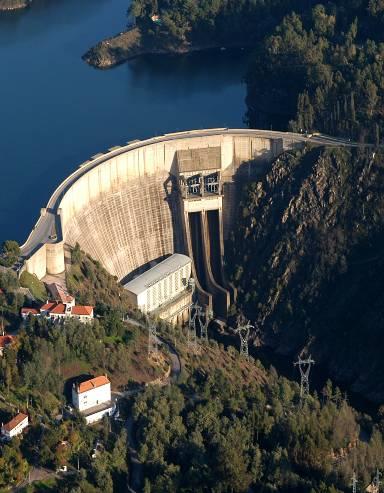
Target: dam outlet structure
137	204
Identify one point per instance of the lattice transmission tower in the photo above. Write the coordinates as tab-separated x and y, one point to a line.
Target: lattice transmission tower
204	322
354	483
243	329
377	481
194	312
305	369
153	341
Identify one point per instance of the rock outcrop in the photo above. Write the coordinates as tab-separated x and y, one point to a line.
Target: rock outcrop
115	50
14	4
309	260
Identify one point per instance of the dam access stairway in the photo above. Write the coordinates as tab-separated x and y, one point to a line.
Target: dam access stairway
200	190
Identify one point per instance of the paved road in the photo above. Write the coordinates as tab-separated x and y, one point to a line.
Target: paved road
43	228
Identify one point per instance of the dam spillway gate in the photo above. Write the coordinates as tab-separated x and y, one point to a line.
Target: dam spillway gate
200	192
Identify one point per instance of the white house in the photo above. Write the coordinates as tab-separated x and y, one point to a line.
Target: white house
15	426
93	398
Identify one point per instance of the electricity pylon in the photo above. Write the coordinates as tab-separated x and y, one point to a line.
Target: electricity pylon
377	481
354	483
192	342
243	329
153	340
208	316
305	368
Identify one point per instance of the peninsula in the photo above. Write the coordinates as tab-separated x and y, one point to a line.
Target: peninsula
166	29
14	4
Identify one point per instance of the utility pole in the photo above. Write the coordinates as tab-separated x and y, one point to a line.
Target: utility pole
377	481
2	322
243	329
354	483
152	339
194	312
305	368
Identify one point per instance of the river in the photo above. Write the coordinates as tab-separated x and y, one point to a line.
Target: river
56	111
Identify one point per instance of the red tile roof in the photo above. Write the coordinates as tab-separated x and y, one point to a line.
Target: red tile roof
27	311
59	309
82	310
92	384
14	422
48	306
59	293
6	341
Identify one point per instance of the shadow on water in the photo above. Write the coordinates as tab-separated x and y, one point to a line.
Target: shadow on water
205	71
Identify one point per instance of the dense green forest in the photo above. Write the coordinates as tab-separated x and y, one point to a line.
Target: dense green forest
212	434
200	21
322	70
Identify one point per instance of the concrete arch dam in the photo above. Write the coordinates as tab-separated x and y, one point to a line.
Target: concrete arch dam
138	203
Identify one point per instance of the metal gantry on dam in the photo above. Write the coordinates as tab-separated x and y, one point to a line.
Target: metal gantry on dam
137	204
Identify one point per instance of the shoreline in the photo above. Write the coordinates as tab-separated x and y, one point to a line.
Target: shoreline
13	5
129	45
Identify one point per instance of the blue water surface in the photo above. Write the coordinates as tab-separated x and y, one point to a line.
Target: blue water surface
56	111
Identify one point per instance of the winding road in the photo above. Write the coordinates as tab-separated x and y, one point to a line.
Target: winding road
136	472
50	221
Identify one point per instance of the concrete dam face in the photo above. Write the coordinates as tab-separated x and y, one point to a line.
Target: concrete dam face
139	203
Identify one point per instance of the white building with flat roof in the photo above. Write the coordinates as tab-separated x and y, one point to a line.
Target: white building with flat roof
163	284
93	398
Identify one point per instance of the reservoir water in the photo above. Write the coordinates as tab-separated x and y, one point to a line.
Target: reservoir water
56	111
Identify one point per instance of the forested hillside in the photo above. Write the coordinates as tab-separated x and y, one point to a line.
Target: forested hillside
315	65
212	434
322	69
308	260
202	21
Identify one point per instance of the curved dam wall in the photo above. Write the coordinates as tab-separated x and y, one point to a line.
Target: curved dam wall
125	211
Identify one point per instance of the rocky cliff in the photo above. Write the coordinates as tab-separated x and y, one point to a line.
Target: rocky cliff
308	259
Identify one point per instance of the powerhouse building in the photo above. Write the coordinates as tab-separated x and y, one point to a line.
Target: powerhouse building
164	290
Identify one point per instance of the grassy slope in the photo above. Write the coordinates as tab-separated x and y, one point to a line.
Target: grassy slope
35	286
